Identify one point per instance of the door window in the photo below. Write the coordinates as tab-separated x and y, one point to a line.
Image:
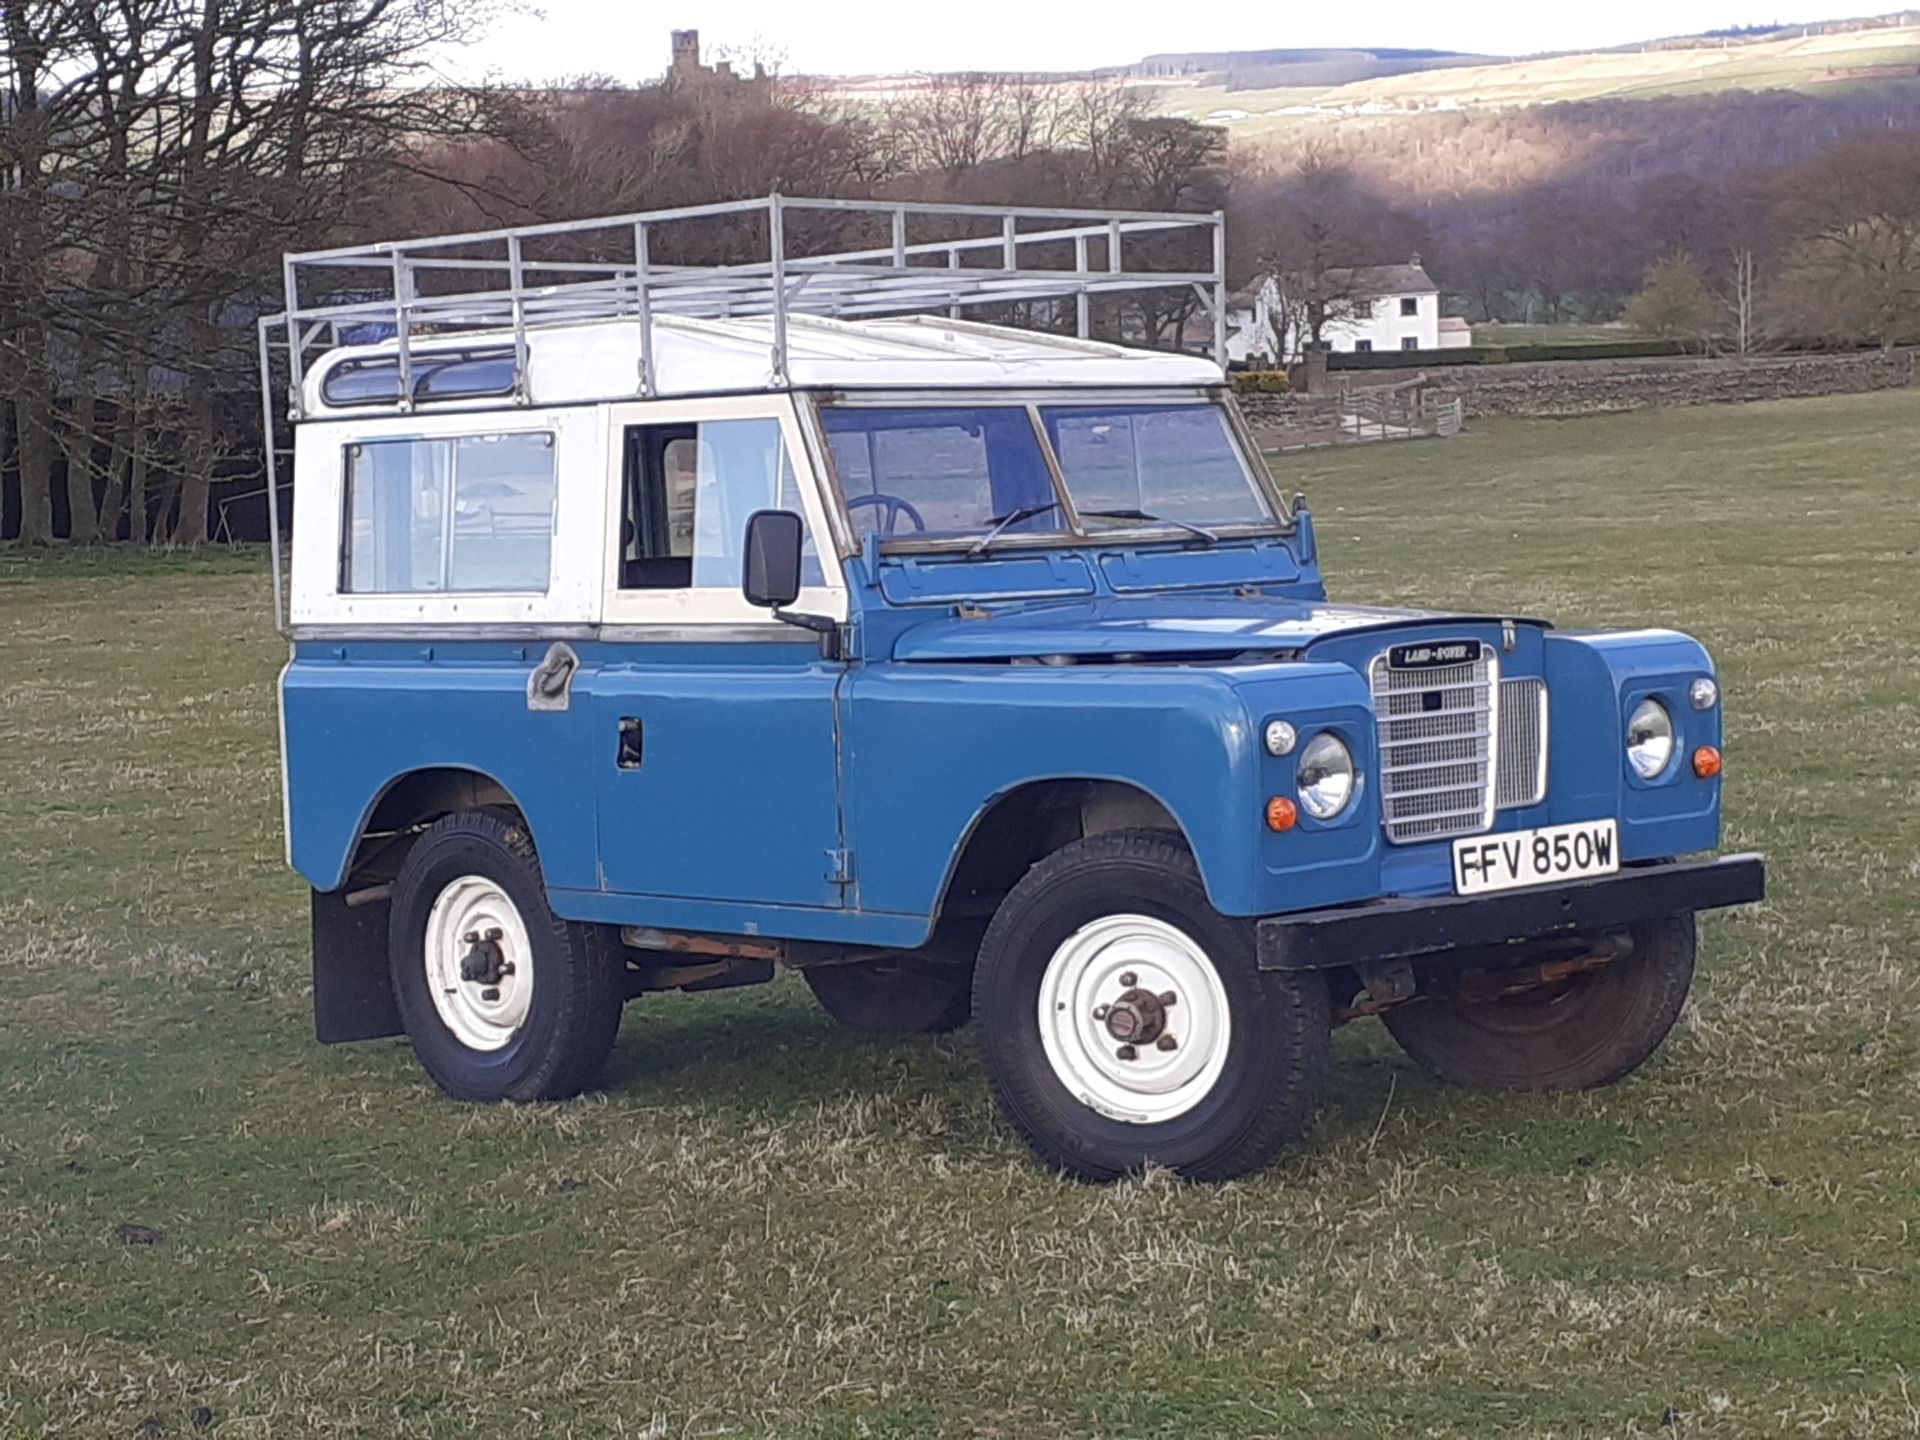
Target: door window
689	490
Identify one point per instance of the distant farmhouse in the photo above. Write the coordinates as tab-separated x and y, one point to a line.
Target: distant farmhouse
1368	307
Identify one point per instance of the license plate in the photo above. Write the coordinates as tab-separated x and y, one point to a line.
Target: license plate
1535	857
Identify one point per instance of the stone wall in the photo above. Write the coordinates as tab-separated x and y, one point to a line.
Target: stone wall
1585	387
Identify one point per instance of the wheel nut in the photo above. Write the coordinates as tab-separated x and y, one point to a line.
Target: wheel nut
490	994
1166	1042
1127	1052
1099	1012
1169	999
1129	979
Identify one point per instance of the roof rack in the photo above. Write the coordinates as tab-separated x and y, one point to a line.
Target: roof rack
933	257
846	258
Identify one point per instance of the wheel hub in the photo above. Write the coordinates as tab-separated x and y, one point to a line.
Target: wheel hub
485	963
1139	1017
479	963
1134	1018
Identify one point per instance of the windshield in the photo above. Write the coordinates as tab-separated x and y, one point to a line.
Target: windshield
941	472
1126	464
981	472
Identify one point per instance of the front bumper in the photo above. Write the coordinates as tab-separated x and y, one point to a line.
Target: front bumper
1408	929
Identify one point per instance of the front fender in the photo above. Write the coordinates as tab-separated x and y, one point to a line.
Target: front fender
1594	681
930	748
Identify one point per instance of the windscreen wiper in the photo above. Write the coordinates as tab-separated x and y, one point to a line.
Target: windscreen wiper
1187	526
1001	522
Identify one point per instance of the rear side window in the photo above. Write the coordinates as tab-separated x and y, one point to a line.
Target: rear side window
471	514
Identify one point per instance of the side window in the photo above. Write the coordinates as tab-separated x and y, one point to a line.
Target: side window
1410	305
471	514
689	492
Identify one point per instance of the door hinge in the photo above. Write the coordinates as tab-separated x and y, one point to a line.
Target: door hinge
840	867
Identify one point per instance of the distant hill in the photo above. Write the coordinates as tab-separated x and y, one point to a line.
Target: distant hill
1813	60
1276	69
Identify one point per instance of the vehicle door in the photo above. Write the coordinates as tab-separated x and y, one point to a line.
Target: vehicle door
714	731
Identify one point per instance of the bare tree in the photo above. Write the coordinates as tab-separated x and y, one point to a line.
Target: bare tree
1854	271
1314	228
161	155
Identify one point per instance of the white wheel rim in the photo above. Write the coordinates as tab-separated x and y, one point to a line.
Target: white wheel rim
486	1013
1091	974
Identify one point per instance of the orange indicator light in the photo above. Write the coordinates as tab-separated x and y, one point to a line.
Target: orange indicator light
1282	813
1706	762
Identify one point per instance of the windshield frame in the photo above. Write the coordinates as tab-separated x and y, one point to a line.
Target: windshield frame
1074	532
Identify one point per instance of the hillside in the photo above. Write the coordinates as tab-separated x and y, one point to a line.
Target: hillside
1817	65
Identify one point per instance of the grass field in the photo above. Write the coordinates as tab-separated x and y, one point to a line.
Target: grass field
1501	332
767	1227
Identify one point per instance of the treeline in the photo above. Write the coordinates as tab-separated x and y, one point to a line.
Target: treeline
157	159
1737	221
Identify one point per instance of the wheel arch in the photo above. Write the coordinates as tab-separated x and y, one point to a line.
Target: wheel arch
352	985
1025	823
408	802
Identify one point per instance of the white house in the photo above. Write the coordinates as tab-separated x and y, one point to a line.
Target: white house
1370	307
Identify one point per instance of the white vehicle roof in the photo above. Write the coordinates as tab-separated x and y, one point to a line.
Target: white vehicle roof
580	362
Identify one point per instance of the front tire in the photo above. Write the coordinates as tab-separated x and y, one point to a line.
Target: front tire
1123	1021
1590	1030
502	999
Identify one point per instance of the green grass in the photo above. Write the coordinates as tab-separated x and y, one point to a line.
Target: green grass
767	1227
1500	332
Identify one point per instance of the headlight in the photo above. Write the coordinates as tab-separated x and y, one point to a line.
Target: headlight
1650	740
1326	777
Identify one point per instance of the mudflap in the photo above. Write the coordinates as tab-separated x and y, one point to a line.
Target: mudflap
352	984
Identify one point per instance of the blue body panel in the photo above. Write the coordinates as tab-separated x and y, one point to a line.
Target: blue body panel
785	794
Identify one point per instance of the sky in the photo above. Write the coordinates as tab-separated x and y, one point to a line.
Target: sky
627	39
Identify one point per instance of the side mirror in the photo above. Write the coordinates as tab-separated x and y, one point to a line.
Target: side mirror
770	572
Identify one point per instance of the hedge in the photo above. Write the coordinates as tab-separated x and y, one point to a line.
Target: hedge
1502	354
1261	382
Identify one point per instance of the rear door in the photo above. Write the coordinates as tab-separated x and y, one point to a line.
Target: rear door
713	733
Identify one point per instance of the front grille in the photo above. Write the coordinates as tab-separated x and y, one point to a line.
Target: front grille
1450	754
1438	736
1523	743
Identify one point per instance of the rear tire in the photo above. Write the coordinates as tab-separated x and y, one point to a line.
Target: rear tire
539	1022
1082	954
1590	1030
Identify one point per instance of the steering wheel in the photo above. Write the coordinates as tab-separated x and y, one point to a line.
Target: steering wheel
892	508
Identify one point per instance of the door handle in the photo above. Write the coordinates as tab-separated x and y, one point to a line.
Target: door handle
632	748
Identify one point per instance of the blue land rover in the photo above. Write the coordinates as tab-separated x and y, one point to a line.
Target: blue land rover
657	622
